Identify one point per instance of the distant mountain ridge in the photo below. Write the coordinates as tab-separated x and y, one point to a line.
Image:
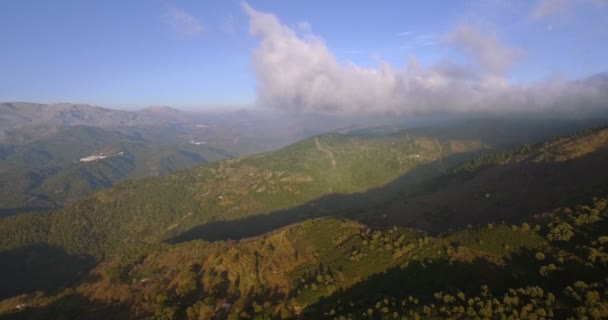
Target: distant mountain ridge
41	145
54	171
19	114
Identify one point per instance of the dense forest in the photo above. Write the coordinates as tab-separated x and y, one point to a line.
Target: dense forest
552	267
291	181
259	237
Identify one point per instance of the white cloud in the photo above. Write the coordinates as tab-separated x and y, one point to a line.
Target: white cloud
182	23
414	39
484	49
548	8
406	33
296	70
305	26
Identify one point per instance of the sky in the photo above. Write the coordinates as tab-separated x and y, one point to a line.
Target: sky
406	56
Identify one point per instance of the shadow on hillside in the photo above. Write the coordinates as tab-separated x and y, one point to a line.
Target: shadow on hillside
418	280
422	199
355	206
422	279
40	267
71	307
512	193
15	211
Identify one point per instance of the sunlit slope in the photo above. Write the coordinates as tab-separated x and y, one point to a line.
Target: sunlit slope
552	267
324	268
152	209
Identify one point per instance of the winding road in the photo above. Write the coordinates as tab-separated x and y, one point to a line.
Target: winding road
328	152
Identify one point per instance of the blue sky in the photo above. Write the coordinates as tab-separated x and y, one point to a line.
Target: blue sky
199	53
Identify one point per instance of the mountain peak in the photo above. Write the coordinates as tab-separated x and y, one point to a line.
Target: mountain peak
159	109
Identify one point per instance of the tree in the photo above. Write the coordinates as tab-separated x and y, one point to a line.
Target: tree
540	256
563	232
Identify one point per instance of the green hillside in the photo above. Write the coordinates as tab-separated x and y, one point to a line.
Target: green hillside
552	267
48	173
317	230
151	210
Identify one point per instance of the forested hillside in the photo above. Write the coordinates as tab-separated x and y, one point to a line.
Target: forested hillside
77	161
510	185
551	267
151	210
52	155
304	160
323	229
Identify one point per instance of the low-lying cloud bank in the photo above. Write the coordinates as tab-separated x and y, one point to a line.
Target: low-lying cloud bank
297	71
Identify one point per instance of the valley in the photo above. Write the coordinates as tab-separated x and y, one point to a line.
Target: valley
54	155
304	160
297	231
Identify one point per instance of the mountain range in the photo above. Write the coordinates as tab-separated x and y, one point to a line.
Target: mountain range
475	219
53	155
